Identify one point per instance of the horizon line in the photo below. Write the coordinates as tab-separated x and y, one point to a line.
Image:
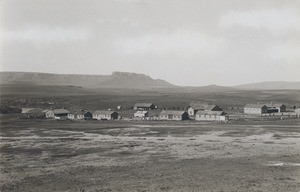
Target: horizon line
53	73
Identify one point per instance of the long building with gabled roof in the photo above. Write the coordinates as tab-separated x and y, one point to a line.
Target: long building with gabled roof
173	115
105	115
255	109
211	116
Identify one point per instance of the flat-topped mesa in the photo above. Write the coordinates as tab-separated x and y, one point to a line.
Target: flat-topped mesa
128	75
115	80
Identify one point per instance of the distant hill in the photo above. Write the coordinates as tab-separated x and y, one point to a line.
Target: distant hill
128	80
270	85
208	88
116	79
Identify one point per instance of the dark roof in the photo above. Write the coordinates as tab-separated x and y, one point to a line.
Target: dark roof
104	112
201	106
210	113
254	105
81	112
59	111
143	104
274	104
171	112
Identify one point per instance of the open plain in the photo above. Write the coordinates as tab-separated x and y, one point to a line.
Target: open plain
149	156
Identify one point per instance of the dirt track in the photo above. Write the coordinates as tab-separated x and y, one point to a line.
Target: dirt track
125	156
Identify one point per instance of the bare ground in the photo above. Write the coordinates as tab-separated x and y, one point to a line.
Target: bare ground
149	156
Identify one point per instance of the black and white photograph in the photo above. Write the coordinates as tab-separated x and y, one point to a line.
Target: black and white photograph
150	95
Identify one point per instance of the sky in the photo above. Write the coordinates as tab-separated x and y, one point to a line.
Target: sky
185	42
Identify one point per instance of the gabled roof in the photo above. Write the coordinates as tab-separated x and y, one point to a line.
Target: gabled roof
143	104
26	110
59	111
210	113
254	106
103	112
171	112
142	112
81	112
201	106
274	104
33	110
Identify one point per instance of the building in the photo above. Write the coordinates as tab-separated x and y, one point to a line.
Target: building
297	111
211	116
255	109
194	107
61	114
105	115
34	113
173	115
276	108
144	106
81	114
141	114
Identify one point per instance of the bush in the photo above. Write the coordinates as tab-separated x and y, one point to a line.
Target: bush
5	109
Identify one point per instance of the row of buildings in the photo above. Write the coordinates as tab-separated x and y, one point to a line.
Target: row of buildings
196	111
63	114
205	112
260	109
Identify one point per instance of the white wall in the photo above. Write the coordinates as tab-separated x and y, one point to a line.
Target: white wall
255	111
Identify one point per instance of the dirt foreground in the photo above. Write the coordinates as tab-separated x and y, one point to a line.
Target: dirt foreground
157	156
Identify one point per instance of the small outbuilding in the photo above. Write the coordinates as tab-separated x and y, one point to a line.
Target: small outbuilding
211	116
255	109
173	115
105	115
144	106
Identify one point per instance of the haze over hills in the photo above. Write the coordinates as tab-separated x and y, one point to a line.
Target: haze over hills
126	80
270	85
116	79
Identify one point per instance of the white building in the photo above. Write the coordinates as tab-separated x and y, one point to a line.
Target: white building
211	116
57	114
255	109
105	115
194	107
141	114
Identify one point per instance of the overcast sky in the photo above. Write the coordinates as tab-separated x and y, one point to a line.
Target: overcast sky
186	42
